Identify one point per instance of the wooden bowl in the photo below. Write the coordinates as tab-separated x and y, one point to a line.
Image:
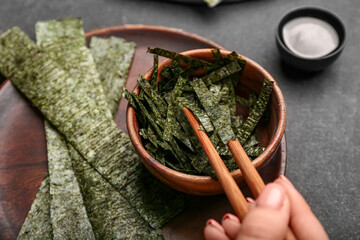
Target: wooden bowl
270	133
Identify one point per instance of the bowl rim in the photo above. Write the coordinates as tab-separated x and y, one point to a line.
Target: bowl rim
327	12
133	128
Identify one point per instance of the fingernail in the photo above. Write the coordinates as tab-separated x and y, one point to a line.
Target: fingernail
272	196
285	179
250	200
215	224
231	217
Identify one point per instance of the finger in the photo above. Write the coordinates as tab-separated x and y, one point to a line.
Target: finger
231	225
214	231
269	218
302	220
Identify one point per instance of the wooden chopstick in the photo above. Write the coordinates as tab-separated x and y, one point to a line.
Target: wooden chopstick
251	175
231	189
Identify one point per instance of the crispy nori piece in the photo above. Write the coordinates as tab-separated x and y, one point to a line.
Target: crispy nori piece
152	93
112	57
170	116
256	112
198	63
154	73
200	114
37	224
219	117
221	73
69	219
110	214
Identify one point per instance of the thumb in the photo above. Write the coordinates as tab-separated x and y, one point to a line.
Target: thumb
269	217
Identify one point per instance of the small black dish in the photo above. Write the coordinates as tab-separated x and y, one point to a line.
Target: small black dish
313	64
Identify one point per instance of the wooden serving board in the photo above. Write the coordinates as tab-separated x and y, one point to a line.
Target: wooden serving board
23	161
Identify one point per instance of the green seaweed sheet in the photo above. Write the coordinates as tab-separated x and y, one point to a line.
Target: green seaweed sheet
37	224
112	57
110	214
40	100
64	41
111	77
90	85
69	219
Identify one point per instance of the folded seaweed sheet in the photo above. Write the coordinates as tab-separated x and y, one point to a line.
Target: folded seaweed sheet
120	174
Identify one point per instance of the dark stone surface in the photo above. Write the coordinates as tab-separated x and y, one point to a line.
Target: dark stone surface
323	126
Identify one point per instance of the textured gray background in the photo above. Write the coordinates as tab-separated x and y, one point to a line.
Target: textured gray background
323	114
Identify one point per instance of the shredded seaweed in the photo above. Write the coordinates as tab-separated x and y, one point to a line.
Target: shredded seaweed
256	112
213	100
181	58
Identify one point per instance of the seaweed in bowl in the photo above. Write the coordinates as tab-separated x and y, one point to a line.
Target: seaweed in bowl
211	96
228	93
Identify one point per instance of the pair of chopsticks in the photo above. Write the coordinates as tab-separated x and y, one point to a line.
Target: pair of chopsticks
231	189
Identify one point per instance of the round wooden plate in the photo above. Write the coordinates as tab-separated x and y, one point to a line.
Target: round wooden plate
23	161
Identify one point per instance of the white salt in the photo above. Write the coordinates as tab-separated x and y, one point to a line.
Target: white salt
310	37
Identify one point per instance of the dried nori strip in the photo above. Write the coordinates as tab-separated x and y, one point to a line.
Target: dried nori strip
113	58
256	112
77	116
219	114
56	29
133	98
154	73
111	215
170	116
200	114
68	214
158	118
221	73
231	98
195	62
152	93
218	59
64	42
37	224
254	151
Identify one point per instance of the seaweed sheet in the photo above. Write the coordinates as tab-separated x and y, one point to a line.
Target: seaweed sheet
111	215
69	219
106	221
112	58
64	41
37	224
76	116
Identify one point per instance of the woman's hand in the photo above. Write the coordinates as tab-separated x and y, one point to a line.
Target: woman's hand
269	217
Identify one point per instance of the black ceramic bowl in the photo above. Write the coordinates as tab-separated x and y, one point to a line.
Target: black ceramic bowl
313	64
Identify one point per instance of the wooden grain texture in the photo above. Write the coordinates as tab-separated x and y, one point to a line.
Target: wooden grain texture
23	162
